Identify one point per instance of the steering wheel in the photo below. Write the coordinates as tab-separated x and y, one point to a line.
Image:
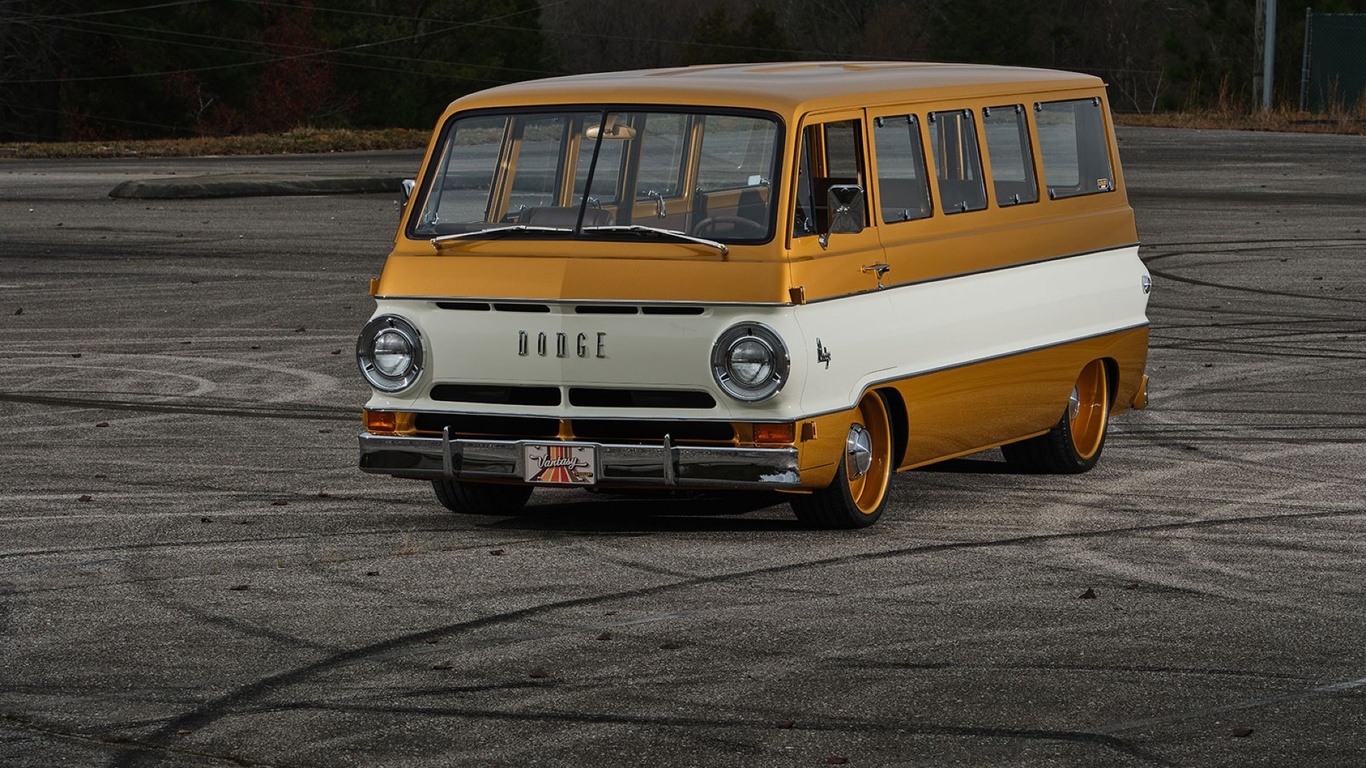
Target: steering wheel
734	226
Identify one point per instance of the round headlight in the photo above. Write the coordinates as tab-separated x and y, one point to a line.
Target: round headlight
749	362
389	353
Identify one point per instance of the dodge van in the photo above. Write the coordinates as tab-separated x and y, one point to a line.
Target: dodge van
798	277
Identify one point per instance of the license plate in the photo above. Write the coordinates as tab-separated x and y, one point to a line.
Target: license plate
559	464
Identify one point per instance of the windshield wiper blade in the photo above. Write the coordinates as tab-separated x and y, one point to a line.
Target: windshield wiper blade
490	233
670	233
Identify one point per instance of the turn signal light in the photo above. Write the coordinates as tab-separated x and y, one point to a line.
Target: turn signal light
381	422
775	434
390	422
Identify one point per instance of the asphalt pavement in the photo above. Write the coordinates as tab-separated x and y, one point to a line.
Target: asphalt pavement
194	573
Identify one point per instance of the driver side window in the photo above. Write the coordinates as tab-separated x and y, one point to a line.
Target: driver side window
832	153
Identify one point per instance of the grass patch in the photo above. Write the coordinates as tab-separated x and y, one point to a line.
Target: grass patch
1289	121
296	142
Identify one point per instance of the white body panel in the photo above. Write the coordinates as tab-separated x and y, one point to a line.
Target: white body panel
872	337
915	329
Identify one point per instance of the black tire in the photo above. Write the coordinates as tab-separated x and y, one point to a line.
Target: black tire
1074	444
481	498
855	502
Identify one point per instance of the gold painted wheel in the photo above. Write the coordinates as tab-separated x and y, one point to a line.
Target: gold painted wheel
858	494
867	457
1075	442
1088	410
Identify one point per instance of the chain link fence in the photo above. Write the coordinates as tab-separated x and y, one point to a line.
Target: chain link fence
1334	77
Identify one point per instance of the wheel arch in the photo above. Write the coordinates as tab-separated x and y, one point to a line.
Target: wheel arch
1111	379
900	419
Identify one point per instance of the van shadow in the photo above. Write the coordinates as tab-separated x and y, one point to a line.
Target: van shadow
579	511
641	513
977	464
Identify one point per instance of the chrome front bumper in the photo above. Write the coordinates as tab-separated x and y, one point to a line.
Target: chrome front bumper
667	465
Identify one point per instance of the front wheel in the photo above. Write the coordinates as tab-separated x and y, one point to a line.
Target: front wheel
481	498
858	494
1073	445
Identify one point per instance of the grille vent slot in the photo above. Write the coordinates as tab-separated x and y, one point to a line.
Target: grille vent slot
579	309
594	397
496	394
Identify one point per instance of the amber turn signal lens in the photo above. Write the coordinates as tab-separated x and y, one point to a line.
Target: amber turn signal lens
381	422
775	434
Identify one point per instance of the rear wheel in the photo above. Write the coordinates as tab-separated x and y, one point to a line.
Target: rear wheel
1075	442
858	494
481	498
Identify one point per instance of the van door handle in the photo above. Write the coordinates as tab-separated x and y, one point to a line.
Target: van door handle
880	268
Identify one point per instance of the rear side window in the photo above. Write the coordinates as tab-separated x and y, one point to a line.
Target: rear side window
1075	148
957	161
903	188
1012	162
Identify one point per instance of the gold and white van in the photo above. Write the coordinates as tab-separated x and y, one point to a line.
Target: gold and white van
799	277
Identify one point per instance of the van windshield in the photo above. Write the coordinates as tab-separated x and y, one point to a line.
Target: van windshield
603	174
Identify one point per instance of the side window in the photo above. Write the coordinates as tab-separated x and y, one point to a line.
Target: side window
903	187
1012	162
481	141
843	155
832	153
661	155
1075	147
957	161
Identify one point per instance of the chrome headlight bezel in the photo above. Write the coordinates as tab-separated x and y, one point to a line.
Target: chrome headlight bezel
750	338
389	378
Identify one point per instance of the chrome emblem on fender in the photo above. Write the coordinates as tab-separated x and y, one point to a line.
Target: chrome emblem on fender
822	353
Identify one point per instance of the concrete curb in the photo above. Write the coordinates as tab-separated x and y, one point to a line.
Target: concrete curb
253	185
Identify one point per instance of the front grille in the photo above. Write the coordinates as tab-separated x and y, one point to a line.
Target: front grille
632	431
578	309
496	394
599	397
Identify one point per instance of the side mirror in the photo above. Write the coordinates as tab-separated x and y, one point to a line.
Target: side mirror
408	186
845	203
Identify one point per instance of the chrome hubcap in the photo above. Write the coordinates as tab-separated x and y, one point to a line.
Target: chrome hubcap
859	451
1074	404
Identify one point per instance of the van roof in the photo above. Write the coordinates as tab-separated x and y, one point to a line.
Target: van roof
784	87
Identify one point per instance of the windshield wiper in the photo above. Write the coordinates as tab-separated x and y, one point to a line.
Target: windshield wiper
491	233
669	233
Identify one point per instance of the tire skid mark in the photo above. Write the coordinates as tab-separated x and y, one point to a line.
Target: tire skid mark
1268	701
1166	250
111	743
826	725
1342	299
1136	669
173	546
1245	246
1259	319
223	706
315	384
283	411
